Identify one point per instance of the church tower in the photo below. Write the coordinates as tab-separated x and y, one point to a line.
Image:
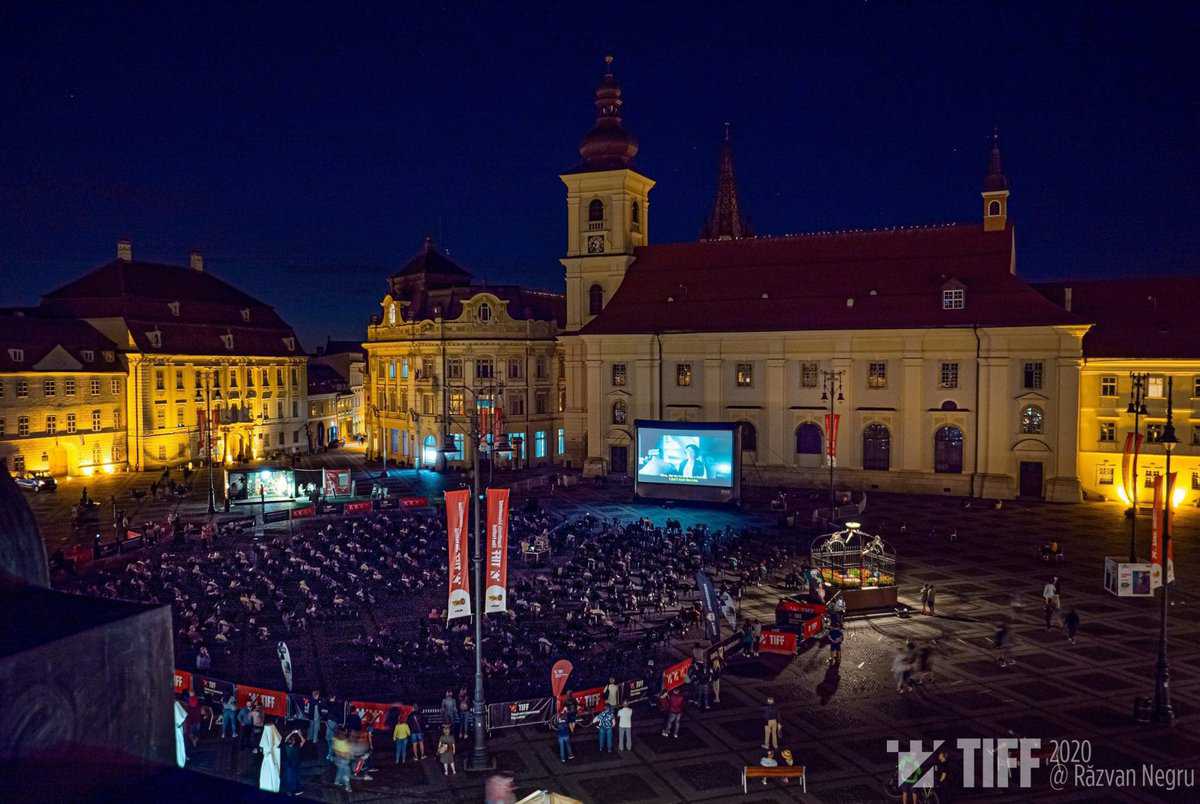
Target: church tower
725	222
608	209
995	191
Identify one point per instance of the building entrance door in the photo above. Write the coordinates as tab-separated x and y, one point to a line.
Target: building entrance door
1031	479
620	460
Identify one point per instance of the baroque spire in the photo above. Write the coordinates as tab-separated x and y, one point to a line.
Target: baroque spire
608	146
725	222
995	179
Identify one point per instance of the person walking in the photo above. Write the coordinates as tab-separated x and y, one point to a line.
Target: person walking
612	693
756	632
718	667
340	751
1071	621
1000	643
924	598
445	751
565	751
449	708
416	729
625	728
835	645
771	724
675	706
400	736
931	601
604	724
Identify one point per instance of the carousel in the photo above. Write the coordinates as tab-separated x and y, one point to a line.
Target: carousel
858	565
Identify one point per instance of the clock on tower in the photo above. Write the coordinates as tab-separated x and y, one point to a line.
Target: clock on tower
595	244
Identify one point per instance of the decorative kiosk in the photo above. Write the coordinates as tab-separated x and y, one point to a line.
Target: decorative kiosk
858	565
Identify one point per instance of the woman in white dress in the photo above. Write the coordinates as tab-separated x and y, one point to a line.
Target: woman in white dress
180	748
268	777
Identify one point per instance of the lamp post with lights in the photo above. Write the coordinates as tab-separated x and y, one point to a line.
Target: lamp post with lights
1137	406
831	392
1162	712
208	448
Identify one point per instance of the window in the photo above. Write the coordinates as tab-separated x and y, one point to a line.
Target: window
596	211
877	448
1156	388
562	441
404	368
16	355
96	427
1196	387
993	208
1196	436
162	452
233	378
618	374
114	386
1154	433
541	403
94	386
109	356
619	412
88	356
179	417
1032	420
264	378
485	369
540	368
1108	386
1108	432
808	374
159	380
279	409
949	375
1151	476
116	418
49	387
19	462
179	378
683	374
948	450
562	399
295	436
174	308
1	389
1105	474
514	368
22	389
295	377
454	368
227	341
457	403
539	444
69	386
155	339
3	427
953	299
1033	374
484	312
749	437
160	418
635	217
743	375
877	375
23	425
595	300
70	422
808	439
516	405
427	404
279	377
51	425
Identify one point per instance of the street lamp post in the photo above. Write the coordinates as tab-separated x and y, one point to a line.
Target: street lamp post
1163	713
831	381
212	491
1137	406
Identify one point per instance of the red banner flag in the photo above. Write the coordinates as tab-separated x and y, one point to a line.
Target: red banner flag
1133	445
374	715
497	425
183	682
778	642
590	701
272	702
559	674
831	433
675	675
1164	489
459	597
496	597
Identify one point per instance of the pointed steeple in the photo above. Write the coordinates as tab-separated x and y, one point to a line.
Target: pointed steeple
995	191
995	179
725	222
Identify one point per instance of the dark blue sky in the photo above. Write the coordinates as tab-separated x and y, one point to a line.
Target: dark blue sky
306	151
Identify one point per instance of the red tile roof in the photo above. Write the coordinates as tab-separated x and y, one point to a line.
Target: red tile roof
1145	317
767	284
37	337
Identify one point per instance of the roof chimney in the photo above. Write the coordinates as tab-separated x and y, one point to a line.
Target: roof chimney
125	249
196	260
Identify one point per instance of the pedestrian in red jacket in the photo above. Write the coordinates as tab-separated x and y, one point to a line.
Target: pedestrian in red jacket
675	704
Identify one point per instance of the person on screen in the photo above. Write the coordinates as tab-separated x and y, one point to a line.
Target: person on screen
656	466
693	464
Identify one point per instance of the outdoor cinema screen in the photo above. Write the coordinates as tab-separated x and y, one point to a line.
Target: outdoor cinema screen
692	460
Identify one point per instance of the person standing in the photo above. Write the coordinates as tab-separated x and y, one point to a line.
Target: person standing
565	751
675	706
269	745
258	721
771	725
445	751
1071	621
245	724
400	736
756	635
718	666
449	708
416	729
612	693
340	751
229	717
180	740
1000	643
289	782
625	728
835	645
931	601
925	598
318	714
604	723
703	680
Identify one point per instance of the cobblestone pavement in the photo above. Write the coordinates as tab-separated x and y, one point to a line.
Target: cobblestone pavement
837	724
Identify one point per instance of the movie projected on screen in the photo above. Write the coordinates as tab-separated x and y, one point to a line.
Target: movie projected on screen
692	460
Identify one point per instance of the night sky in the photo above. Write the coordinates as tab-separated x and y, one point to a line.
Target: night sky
306	151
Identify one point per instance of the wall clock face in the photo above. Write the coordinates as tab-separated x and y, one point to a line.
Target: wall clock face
596	244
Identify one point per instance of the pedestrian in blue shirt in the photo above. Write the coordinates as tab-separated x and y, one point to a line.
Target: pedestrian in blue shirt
565	751
604	721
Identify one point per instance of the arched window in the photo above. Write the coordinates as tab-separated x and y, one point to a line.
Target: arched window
595	299
808	439
635	216
749	437
595	211
948	450
993	208
485	312
392	314
618	412
877	448
949	404
1032	420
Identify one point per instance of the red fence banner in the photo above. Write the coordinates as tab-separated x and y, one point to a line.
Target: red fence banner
1133	445
359	507
183	682
778	642
458	596
496	594
675	675
530	712
213	690
559	674
590	700
303	513
273	702
414	502
374	715
831	433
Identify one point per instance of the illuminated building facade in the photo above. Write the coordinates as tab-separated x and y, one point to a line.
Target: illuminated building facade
348	359
444	345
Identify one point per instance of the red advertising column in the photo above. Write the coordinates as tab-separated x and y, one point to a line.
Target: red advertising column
496	595
458	596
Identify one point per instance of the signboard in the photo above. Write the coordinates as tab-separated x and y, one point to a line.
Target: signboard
726	647
338	483
777	642
1125	579
675	675
183	682
414	502
375	715
277	516
358	507
634	691
273	702
212	690
304	513
327	508
590	701
529	712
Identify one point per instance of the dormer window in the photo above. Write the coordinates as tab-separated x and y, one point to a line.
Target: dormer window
16	355
109	357
88	356
245	313
155	338
484	312
227	339
954	299
174	308
993	210
290	344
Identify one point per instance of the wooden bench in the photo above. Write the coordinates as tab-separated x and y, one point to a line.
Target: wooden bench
781	772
